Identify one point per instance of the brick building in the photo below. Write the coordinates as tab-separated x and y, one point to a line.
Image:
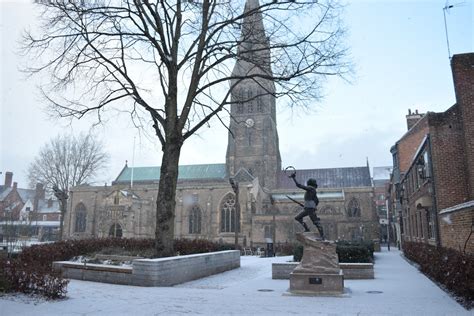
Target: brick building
380	180
432	186
27	212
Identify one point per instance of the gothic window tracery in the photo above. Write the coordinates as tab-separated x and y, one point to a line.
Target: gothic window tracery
259	104
228	223
353	208
80	218
195	219
115	231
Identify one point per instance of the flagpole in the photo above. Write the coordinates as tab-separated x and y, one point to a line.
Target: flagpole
133	162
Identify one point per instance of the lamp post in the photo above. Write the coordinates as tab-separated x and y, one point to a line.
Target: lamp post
235	188
388	224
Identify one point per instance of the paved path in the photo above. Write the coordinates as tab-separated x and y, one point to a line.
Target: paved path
404	291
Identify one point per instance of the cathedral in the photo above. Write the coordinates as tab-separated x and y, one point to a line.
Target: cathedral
206	204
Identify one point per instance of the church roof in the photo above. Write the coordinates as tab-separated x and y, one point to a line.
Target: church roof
330	177
185	172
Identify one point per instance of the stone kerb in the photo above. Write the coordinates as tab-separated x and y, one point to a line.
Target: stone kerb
175	270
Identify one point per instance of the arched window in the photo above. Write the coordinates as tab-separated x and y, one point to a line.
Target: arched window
195	220
353	208
115	231
228	223
81	216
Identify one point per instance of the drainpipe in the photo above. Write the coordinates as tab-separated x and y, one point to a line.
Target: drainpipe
433	188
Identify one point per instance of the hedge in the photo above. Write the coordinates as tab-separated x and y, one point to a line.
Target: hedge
348	251
32	271
451	268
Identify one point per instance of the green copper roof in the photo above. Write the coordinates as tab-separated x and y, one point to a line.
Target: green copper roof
185	172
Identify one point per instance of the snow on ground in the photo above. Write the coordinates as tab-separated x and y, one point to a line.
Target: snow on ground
405	291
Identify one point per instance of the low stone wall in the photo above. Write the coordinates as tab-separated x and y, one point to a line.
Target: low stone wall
357	271
95	272
154	272
351	271
176	270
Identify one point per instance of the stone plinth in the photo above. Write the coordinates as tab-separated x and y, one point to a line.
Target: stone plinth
319	271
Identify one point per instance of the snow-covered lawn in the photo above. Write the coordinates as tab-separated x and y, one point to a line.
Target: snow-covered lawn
404	291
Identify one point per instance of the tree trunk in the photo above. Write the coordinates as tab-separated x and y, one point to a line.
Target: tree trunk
62	206
166	199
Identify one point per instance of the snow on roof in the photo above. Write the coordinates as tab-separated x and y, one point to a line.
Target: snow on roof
5	193
382	173
43	206
26	194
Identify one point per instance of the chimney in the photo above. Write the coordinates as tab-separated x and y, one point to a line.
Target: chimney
462	66
413	118
39	195
8	179
15	185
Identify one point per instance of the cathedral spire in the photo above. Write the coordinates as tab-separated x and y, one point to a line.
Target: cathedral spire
253	50
253	136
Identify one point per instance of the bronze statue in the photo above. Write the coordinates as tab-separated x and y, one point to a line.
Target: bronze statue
311	201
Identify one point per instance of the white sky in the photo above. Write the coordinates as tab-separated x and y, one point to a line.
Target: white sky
401	61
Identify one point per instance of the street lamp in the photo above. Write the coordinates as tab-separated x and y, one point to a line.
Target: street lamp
235	188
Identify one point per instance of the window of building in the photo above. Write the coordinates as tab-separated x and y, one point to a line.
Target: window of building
420	220
250	107
353	208
116	199
240	108
45	218
259	105
430	224
415	222
228	223
80	218
427	166
195	220
115	231
268	231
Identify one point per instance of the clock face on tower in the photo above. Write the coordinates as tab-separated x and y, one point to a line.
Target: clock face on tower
249	122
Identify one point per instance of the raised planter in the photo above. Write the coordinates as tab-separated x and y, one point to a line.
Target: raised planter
154	272
351	271
95	272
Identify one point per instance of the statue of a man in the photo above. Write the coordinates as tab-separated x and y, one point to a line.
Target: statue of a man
311	201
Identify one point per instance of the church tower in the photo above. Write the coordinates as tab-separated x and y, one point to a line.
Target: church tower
253	136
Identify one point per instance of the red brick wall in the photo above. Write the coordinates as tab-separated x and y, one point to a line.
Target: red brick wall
410	142
447	149
455	228
463	76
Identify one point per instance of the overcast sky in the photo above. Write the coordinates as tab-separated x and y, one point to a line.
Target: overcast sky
401	61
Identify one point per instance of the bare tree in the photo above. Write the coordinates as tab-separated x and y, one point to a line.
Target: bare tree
66	161
172	65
